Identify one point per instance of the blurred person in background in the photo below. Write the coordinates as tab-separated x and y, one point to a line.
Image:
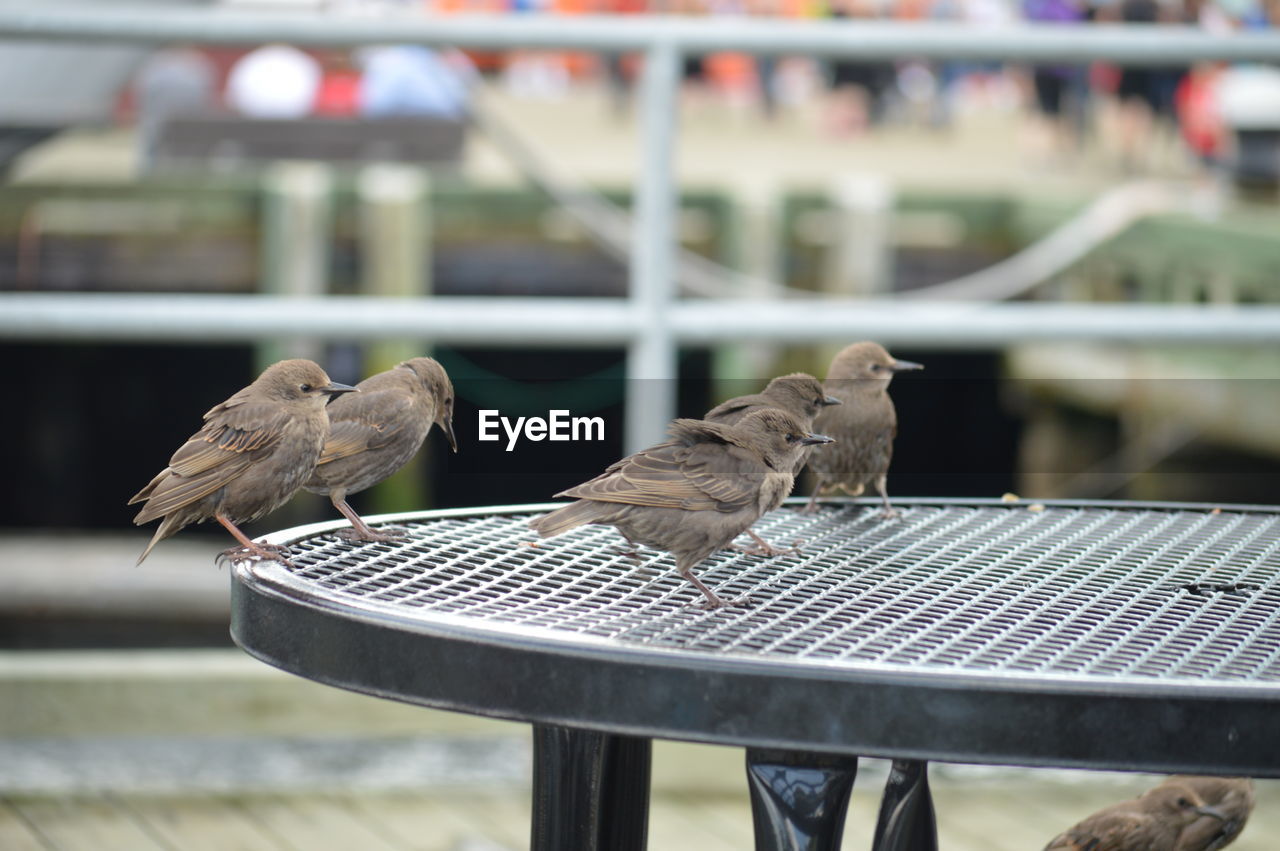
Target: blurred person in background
857	87
274	81
414	80
1055	88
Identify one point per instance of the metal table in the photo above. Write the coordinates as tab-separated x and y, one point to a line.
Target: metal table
1104	635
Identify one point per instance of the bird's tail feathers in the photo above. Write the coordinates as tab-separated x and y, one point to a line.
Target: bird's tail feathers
570	517
167	527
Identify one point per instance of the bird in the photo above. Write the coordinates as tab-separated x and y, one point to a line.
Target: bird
251	455
1231	797
1153	821
375	432
799	394
693	494
864	426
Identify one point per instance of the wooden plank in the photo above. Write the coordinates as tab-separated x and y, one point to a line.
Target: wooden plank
200	823
438	821
313	823
15	833
86	823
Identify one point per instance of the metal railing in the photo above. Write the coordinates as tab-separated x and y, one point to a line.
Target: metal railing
651	321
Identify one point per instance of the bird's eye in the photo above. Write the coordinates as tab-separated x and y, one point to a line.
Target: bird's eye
1183	802
305	388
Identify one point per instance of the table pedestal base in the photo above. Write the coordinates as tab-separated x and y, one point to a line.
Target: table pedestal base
590	790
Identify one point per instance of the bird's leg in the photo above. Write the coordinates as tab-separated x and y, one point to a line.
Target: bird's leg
631	550
267	551
811	507
882	487
359	530
763	547
713	600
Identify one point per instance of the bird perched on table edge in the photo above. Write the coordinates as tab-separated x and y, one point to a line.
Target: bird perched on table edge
695	493
864	427
251	455
375	432
1151	822
799	394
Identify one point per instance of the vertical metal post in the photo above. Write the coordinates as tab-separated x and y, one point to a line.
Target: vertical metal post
651	358
296	228
395	262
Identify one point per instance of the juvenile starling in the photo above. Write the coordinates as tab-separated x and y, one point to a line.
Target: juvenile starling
253	452
694	493
1151	822
798	394
1232	799
864	426
375	432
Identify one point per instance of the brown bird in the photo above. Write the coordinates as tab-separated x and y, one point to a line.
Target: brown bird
799	394
864	426
1151	822
1231	797
253	452
695	493
375	432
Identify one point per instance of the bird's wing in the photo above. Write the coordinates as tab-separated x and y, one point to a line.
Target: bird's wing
696	478
364	421
218	453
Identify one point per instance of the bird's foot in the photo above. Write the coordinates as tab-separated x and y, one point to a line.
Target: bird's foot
715	601
392	533
811	507
268	552
889	513
630	552
766	549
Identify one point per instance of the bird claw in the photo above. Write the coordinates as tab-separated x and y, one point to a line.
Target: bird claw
889	513
720	603
766	550
372	536
267	552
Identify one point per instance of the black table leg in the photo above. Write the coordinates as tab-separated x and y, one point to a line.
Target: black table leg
799	800
906	822
590	791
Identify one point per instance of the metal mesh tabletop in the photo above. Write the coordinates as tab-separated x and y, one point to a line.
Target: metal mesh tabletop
975	602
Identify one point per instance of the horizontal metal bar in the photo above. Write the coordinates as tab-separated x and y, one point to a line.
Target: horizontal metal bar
220	318
945	324
62	317
872	40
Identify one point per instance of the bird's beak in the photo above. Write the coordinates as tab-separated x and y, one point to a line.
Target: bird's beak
446	426
811	439
333	388
1212	813
904	365
831	400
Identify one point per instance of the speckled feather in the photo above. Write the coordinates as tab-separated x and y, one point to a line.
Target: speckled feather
693	494
1151	822
375	432
252	454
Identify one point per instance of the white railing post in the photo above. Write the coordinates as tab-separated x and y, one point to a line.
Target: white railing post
651	357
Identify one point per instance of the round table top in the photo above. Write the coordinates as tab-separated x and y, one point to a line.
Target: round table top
1112	635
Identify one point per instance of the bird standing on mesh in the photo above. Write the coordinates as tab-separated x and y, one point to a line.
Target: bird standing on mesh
252	454
800	395
1153	821
375	432
695	493
864	426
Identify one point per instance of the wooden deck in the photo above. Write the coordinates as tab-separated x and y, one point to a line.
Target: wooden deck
194	750
987	816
